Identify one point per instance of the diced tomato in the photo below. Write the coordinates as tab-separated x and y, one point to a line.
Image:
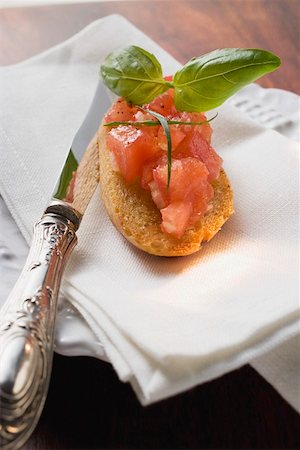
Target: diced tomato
189	185
177	135
132	148
141	151
204	129
195	145
188	174
163	104
147	173
120	111
200	202
159	196
141	116
175	218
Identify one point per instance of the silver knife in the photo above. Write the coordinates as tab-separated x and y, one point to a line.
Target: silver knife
27	318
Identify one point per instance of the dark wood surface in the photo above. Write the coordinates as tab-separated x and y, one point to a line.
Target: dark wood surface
183	28
87	407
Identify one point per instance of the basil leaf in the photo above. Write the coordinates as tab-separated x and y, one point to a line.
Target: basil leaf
207	81
135	74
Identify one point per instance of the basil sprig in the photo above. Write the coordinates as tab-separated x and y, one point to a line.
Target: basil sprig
202	84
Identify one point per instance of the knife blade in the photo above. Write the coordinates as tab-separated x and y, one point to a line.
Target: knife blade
27	318
79	175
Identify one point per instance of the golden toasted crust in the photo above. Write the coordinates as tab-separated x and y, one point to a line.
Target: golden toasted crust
87	177
133	212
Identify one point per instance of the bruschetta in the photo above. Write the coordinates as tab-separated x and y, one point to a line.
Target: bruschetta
162	220
162	181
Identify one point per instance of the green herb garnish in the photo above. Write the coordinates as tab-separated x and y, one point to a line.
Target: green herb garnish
202	84
164	123
155	123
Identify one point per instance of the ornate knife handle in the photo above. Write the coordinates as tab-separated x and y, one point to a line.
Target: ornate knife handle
27	328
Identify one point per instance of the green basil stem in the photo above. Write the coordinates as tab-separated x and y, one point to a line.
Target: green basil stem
155	123
164	123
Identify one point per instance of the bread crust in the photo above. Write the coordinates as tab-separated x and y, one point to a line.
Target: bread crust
133	212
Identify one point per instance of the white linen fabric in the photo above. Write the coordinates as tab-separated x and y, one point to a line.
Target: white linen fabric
166	324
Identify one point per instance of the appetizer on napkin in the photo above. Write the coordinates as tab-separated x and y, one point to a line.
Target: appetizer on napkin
162	182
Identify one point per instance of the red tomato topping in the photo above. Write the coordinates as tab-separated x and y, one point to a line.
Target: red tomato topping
205	129
147	174
177	135
195	145
120	111
175	218
132	148
189	185
163	104
141	151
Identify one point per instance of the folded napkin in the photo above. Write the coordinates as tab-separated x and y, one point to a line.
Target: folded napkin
166	324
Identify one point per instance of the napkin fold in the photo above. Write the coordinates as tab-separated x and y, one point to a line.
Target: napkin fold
166	324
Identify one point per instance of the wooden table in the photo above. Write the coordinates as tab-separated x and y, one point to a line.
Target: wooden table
87	407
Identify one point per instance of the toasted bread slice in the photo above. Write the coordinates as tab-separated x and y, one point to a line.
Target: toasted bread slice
133	212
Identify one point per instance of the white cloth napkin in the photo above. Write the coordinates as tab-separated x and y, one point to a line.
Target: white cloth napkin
166	324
